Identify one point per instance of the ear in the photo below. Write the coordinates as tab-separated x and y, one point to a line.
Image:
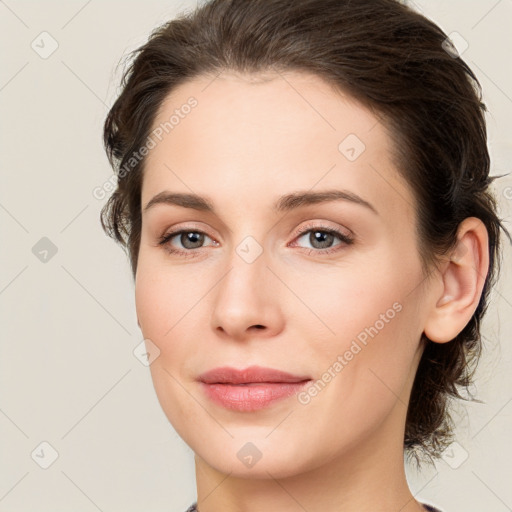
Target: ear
462	279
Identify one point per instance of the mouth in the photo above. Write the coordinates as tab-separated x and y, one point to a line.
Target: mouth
251	389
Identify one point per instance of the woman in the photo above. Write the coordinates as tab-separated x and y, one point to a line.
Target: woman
303	190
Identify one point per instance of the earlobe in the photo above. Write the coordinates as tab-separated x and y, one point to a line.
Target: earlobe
462	281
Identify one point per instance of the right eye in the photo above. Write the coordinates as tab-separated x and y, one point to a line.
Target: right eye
190	240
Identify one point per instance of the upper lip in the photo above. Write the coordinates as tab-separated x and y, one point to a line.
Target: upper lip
227	374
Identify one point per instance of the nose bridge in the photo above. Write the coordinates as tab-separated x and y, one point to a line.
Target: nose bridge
248	245
248	263
244	295
249	250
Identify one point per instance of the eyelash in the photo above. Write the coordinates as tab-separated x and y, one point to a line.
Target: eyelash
345	239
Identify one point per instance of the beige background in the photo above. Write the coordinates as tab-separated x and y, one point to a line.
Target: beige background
68	375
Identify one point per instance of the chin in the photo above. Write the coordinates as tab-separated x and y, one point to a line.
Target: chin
259	458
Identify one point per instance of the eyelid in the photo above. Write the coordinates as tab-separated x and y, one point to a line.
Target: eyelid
186	226
322	225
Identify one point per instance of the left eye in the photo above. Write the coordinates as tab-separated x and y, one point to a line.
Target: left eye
321	239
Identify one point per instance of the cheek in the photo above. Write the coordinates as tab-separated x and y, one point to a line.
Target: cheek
159	306
150	303
172	308
162	313
364	333
162	296
343	301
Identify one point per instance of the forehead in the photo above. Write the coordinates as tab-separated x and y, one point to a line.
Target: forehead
249	138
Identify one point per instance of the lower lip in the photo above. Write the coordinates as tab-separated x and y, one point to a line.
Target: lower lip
251	397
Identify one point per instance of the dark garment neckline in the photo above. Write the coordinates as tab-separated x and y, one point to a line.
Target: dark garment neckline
428	508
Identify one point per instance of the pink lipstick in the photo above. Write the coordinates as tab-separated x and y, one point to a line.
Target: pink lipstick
251	389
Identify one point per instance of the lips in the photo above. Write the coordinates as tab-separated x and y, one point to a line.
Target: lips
251	389
252	374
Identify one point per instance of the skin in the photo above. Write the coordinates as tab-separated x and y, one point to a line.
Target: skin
246	143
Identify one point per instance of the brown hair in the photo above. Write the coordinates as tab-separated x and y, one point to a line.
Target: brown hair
393	61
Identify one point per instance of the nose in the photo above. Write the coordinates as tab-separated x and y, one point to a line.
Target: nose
247	301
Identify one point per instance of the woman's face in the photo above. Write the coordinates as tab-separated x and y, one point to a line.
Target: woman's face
326	290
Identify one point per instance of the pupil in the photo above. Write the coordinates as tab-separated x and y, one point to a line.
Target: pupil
322	238
193	238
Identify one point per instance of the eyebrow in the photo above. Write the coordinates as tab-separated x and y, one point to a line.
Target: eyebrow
285	203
